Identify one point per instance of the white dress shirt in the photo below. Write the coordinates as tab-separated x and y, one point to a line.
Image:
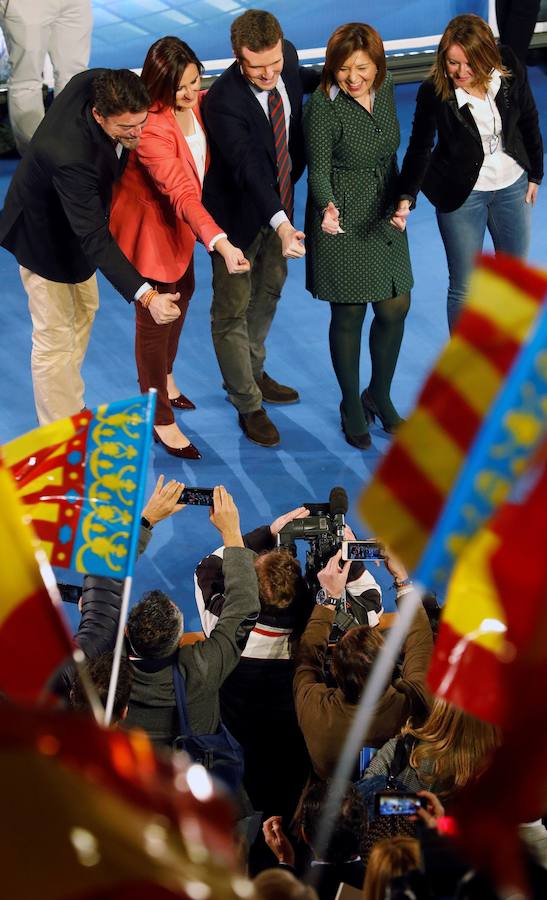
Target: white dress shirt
499	170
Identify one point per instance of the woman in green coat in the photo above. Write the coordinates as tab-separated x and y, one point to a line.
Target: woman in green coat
356	248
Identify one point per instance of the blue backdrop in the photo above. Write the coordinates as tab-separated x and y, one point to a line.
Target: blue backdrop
124	29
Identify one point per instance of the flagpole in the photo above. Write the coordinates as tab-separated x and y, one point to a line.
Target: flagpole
128	581
379	677
78	656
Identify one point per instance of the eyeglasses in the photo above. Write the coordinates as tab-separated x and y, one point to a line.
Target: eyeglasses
493	141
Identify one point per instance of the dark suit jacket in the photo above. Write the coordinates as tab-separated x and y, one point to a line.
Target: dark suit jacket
56	215
240	189
448	174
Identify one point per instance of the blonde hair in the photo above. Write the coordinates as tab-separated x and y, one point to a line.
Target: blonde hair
389	859
477	41
457	744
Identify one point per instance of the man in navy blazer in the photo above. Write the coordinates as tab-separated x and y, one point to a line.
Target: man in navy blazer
242	193
55	222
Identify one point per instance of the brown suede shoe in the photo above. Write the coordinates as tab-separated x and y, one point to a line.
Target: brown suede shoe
273	392
259	428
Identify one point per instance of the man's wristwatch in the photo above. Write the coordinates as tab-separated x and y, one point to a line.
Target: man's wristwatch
323	598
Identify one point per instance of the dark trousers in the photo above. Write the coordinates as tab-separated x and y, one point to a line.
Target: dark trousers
156	345
516	22
241	315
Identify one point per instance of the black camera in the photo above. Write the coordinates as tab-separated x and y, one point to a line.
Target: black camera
323	529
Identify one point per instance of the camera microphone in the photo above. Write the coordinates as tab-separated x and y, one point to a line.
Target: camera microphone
338	507
338	502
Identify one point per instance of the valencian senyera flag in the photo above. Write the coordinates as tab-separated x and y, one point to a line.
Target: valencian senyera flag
82	482
479	418
490	659
94	814
34	639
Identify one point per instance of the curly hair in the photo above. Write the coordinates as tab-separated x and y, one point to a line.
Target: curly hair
154	626
352	660
279	578
256	30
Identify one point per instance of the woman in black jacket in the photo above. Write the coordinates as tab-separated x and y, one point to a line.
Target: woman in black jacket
488	160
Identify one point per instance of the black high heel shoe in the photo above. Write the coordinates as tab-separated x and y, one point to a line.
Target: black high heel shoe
372	412
361	441
189	452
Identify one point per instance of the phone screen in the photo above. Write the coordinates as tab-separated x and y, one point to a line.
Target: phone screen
397	804
194	496
362	550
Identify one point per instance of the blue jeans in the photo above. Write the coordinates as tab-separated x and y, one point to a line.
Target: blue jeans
507	218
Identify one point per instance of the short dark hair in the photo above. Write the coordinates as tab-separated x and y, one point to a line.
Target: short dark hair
256	30
347	823
117	91
347	40
279	579
163	68
99	671
352	659
154	626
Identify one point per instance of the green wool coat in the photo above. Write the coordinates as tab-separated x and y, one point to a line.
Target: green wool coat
352	161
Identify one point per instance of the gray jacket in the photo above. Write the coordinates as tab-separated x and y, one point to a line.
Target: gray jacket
204	665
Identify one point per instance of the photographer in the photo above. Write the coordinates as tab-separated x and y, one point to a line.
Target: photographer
257	703
325	714
154	632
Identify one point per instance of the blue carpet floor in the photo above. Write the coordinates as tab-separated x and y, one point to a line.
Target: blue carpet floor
313	455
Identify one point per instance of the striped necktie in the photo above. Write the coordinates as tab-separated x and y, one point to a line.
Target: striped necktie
277	118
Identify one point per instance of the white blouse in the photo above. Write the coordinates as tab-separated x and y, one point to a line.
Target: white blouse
499	170
198	147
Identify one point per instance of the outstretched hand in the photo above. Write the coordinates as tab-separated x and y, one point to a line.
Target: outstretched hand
225	517
300	513
163	501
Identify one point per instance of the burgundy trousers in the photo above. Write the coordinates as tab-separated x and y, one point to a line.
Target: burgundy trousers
156	345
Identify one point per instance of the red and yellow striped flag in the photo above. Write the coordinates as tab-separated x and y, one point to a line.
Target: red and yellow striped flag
490	659
405	499
34	640
91	814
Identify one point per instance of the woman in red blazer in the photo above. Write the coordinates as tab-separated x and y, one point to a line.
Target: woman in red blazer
157	215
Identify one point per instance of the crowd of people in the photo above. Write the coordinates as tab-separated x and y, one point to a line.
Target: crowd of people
124	174
270	689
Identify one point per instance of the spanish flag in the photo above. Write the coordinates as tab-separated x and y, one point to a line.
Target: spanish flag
479	418
94	814
34	640
491	660
82	481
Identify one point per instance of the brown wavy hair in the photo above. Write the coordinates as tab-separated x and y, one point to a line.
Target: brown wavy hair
477	41
346	40
458	746
163	68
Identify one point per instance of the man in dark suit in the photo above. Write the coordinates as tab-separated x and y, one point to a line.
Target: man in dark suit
253	116
55	222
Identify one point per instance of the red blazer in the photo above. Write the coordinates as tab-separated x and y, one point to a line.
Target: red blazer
156	212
